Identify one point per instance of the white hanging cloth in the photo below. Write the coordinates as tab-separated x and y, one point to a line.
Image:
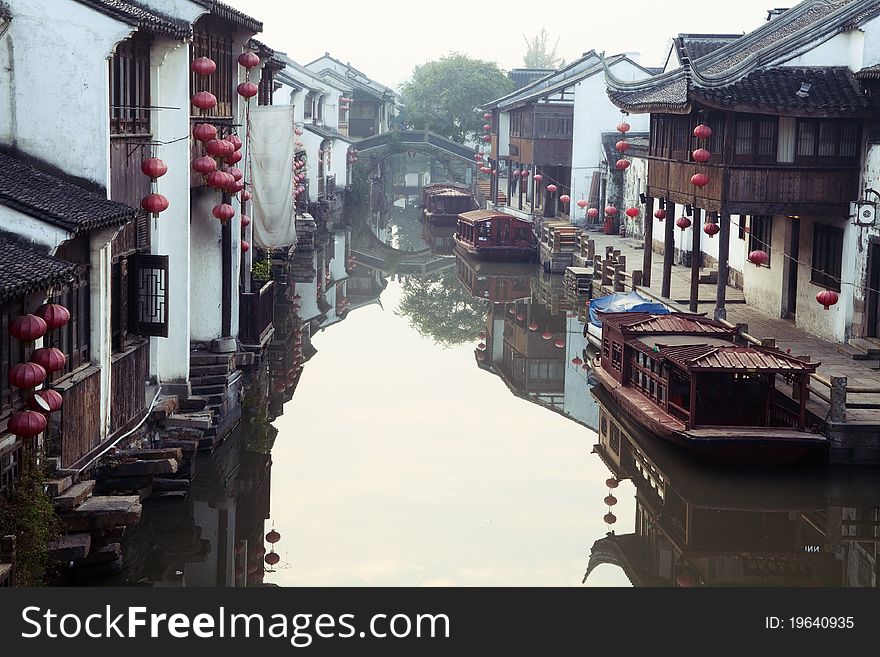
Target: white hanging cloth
272	157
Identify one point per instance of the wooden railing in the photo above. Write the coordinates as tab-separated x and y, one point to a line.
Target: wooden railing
610	271
256	314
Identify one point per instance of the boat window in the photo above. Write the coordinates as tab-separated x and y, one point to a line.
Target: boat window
606	348
614	442
604	424
616	355
483	231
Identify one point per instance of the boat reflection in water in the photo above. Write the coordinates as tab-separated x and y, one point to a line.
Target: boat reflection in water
697	525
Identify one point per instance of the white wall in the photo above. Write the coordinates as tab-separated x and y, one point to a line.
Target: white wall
312	144
837	51
39	232
61	49
503	133
206	282
762	286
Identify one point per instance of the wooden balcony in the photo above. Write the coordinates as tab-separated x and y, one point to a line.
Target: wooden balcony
755	189
256	315
548	152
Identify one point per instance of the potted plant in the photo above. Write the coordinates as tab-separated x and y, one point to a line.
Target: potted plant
261	272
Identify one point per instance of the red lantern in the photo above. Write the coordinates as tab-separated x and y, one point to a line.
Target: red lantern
560	343
204	165
701	155
610	518
482	346
632	213
487	138
538	177
248	59
50	359
235	172
660	214
51	398
515	173
611	211
551	188
610	500
204	100
827	298
547	334
702	132
487	127
245	246
26	375
622	146
582	204
711	229
235	140
203	66
482	335
248	89
28	328
272	558
223	212
621	164
487	116
273	537
154	204
700	179
204	131
520	317
219	147
234	157
219	179
683	223
154	167
576	361
593	213
524	173
246	196
27	424
245	221
759	258
623	127
533	326
611	482
54	314
564	199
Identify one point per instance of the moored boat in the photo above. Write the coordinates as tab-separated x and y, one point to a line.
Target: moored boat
443	202
495	236
618	302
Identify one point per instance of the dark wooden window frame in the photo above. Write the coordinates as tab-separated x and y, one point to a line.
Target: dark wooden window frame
827	257
130	86
761	234
74	338
762	142
222	82
10	351
828	132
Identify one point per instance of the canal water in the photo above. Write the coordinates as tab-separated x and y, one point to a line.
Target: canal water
435	427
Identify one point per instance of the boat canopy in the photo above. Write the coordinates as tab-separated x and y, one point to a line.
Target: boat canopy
621	302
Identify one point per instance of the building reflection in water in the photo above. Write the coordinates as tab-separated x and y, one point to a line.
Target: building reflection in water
699	525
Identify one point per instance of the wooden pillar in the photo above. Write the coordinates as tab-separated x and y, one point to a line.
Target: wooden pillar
509	180
802	411
838	399
519	188
649	242
696	230
668	250
723	256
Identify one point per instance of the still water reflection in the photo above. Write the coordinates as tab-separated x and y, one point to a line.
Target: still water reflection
429	421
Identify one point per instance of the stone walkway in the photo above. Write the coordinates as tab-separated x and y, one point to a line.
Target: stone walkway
787	335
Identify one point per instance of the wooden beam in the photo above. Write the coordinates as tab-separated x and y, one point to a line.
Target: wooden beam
723	266
696	230
668	250
649	242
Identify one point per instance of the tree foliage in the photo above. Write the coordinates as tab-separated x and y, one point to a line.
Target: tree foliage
440	308
539	54
442	95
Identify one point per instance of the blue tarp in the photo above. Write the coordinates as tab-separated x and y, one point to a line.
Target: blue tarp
621	302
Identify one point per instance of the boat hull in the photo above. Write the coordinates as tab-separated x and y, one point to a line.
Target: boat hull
509	253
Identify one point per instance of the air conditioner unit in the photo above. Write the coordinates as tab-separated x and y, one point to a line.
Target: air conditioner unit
865	214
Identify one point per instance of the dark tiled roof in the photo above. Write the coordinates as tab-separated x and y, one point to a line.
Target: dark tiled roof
691	47
29	190
665	93
325	132
707	357
869	73
833	90
523	76
144	18
231	14
638	145
636	322
25	268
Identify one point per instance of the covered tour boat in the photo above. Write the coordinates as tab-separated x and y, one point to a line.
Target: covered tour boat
495	235
684	379
443	202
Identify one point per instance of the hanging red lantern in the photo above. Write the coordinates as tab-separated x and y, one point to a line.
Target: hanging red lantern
593	213
520	317
611	211
246	196
481	346
560	343
482	335
699	179
827	298
581	204
623	127
533	326
487	127
273	537
632	213
272	558
234	157
235	140
538	177
610	518
219	179
621	164
622	146
27	424
245	221
26	375
577	361
487	138
702	132
711	229
701	155
28	328
487	116
204	131
203	66
611	482
154	204
223	211
249	59
245	246
154	167
564	199
660	214
515	173
547	334
551	188
204	100
683	223
524	173
54	314
610	500
248	89
219	147
759	257
49	358
204	165
235	172
51	398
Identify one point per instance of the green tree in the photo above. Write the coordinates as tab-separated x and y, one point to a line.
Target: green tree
440	308
442	95
538	52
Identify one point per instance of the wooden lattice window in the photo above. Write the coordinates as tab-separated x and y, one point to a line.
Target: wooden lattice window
761	234
10	351
130	87
221	82
148	289
827	263
73	339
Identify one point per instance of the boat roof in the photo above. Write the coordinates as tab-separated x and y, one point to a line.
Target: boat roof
710	358
636	322
475	216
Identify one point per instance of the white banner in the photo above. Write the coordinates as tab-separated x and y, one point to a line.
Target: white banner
272	157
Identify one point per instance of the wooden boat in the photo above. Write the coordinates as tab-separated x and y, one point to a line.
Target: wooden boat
495	236
683	379
443	202
618	302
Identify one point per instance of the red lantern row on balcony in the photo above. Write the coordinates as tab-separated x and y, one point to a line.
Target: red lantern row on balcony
54	314
50	359
701	155
702	131
203	66
28	328
26	375
827	298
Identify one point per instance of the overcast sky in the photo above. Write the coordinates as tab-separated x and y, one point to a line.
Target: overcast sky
386	40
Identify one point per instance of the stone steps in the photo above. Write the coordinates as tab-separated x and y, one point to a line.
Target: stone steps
852	352
871	349
103	512
74	496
